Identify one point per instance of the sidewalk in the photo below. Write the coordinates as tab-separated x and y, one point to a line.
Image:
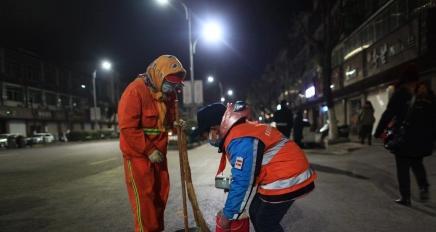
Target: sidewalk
377	165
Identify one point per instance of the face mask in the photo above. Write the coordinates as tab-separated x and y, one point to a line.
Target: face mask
167	87
214	141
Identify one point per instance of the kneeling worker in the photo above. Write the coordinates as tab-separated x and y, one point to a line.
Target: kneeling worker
259	155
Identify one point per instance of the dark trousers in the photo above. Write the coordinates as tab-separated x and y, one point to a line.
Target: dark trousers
366	133
403	166
266	216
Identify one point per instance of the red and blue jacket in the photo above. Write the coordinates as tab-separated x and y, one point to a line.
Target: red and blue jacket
260	155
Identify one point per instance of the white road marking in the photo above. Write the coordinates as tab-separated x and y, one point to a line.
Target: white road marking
102	161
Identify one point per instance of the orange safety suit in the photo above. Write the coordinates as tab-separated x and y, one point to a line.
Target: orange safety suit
145	115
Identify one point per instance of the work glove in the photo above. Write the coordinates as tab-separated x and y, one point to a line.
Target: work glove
181	123
222	222
156	156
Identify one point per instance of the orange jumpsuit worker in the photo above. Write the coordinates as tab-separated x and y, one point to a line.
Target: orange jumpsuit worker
145	113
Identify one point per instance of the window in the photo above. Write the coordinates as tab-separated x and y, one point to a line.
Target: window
64	100
12	69
367	34
32	70
35	96
14	93
76	102
64	80
50	99
337	56
50	74
1	60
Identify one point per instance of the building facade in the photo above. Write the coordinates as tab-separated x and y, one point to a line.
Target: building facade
368	62
39	96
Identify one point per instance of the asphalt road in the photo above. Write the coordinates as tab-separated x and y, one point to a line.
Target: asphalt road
80	187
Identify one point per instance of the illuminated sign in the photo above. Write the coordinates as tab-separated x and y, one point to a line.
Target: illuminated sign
310	92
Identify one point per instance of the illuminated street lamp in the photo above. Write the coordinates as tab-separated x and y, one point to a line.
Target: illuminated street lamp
211	32
223	99
163	2
211	79
105	65
230	92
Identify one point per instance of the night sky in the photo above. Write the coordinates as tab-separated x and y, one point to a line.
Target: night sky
132	33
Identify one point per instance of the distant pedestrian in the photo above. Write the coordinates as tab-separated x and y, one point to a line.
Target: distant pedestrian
366	122
299	124
412	105
283	119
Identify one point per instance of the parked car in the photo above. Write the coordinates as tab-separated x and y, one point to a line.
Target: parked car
3	140
38	138
12	140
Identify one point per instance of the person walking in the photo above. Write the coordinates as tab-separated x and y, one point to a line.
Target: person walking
146	113
299	124
366	122
411	105
259	155
284	119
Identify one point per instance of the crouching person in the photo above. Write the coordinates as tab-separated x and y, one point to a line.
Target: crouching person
260	156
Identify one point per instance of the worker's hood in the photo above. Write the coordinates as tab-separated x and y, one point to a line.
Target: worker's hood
163	66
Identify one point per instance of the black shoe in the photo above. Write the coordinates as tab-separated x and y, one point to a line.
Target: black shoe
424	195
404	201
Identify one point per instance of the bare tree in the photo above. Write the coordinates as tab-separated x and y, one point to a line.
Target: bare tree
322	30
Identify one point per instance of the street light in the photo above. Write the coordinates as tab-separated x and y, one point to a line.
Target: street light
163	2
191	46
211	79
105	65
212	30
230	92
223	99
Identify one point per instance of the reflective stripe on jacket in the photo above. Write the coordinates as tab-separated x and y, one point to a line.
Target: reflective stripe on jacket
285	168
137	119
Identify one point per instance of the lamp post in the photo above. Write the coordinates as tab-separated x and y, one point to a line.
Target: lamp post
191	45
105	65
211	32
211	79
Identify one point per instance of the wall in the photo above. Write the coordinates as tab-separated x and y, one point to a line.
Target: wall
52	127
16	126
340	112
88	126
77	126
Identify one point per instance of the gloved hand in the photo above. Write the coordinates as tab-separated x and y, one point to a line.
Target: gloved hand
181	123
156	156
222	222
